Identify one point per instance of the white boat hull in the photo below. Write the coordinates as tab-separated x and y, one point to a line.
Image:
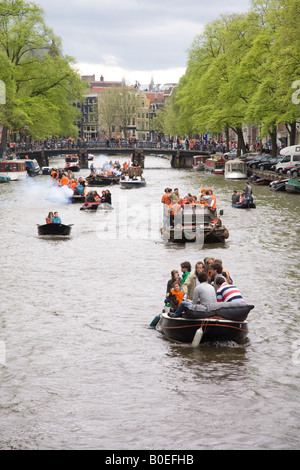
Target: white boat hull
15	175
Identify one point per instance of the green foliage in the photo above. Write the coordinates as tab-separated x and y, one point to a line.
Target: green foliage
41	84
240	70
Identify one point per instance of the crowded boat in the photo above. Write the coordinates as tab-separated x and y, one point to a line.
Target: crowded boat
203	305
192	218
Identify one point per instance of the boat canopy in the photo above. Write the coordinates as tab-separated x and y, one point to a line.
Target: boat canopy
11	166
235	165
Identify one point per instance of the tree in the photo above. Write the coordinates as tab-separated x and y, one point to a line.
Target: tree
41	84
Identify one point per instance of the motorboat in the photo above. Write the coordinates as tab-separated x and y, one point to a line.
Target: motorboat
135	182
235	170
195	224
219	322
102	180
54	229
278	185
72	163
32	167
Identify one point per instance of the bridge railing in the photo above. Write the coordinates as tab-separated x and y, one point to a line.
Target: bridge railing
100	144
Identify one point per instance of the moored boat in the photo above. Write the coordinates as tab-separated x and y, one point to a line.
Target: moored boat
13	169
292	186
262	181
54	229
278	185
4	179
220	322
199	162
214	165
235	170
196	224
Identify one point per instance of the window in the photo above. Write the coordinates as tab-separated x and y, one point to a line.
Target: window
296	158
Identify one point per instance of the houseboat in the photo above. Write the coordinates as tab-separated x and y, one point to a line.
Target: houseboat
13	169
235	170
199	162
214	165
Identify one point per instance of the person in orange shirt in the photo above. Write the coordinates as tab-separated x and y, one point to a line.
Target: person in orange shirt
64	180
213	202
176	295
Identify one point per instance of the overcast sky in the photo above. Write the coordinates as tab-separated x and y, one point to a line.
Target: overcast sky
133	39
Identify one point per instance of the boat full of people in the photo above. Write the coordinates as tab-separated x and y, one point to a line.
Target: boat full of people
192	219
203	307
108	175
94	201
243	200
72	163
132	177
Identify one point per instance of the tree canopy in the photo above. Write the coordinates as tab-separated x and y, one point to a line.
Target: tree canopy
41	84
241	70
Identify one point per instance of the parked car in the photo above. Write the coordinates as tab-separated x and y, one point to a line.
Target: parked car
258	160
292	170
270	164
288	160
247	157
230	155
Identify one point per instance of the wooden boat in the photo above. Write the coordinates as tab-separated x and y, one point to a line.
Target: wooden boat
102	180
13	169
235	170
220	322
214	165
196	224
244	205
54	229
292	186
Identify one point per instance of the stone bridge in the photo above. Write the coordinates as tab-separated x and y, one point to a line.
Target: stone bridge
179	158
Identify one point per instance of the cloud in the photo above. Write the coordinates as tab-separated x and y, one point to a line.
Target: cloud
133	35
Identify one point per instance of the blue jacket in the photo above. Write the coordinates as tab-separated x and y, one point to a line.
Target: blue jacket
56	220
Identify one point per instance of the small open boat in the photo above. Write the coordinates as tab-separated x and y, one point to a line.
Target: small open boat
94	206
244	205
102	180
132	182
220	322
54	229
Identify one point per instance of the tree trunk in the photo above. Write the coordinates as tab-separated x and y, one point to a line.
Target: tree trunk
292	133
4	138
241	142
273	136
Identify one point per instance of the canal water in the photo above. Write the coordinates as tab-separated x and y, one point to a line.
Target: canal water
79	367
